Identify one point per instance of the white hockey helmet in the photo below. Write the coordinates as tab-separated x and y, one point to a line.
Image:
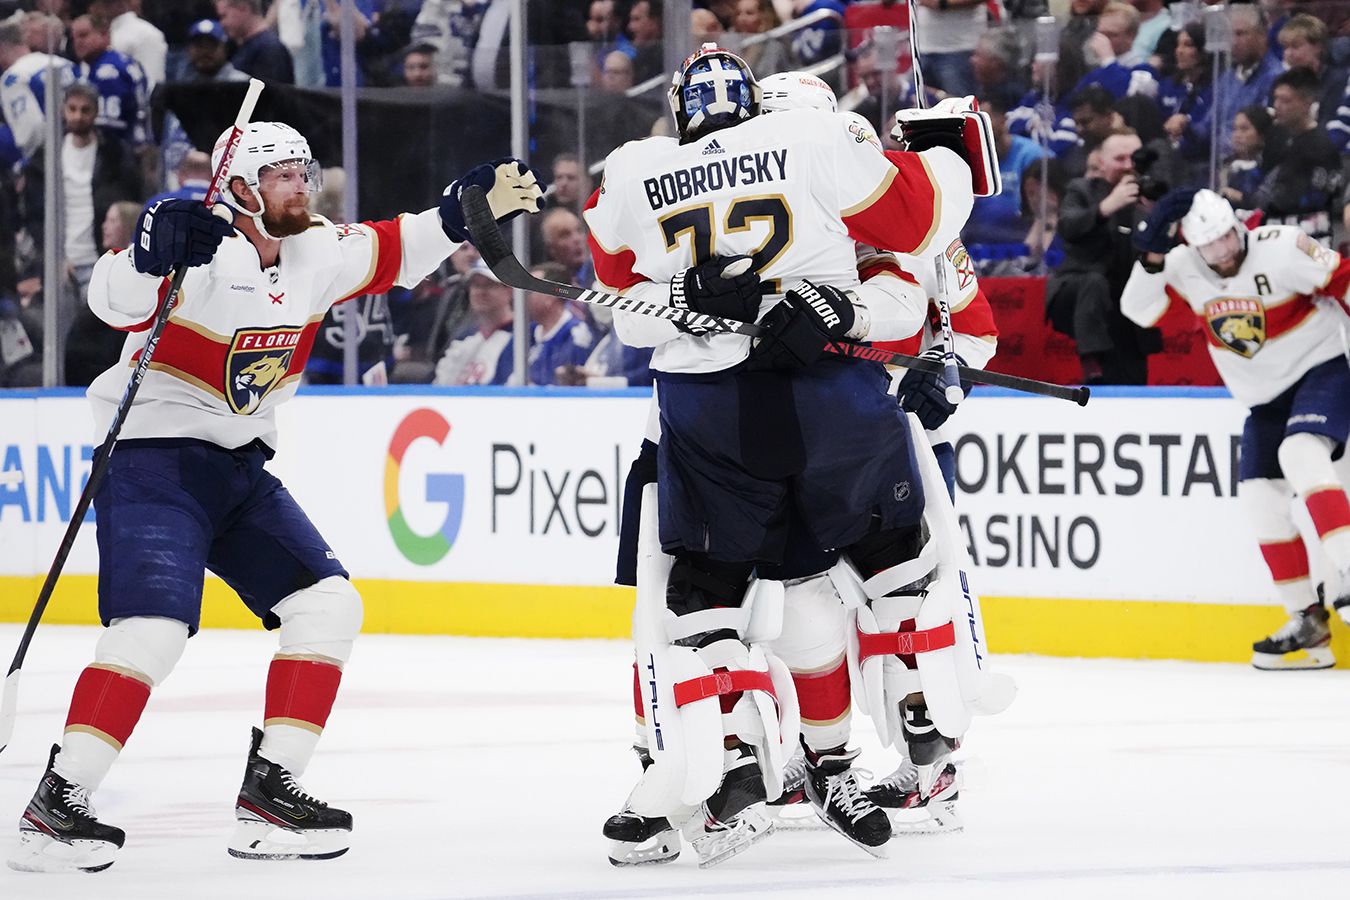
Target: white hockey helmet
796	90
1211	219
862	130
264	145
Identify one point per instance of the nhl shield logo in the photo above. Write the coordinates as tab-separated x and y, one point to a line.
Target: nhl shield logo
1238	324
257	363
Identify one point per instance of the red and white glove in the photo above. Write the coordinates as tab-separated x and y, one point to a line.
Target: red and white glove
957	124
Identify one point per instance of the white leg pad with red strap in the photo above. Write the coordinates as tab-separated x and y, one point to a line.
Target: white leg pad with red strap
681	690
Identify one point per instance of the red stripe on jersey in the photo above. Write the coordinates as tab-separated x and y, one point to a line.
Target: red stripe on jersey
108	702
301	689
302	349
976	317
1279	319
877	265
903	216
823	696
613	270
1339	285
1329	510
164	284
192	353
388	258
1287	560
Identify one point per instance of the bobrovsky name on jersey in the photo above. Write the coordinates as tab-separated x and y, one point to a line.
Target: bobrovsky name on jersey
742	170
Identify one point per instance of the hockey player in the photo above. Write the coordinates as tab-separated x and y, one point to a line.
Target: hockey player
187	491
754	436
1264	300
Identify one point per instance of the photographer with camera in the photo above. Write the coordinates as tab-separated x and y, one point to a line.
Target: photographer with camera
1082	299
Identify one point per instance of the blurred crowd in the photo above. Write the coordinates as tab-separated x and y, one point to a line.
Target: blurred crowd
1099	109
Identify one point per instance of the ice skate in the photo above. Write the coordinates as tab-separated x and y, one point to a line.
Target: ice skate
734	816
636	840
911	810
791	809
59	831
1304	642
838	798
278	820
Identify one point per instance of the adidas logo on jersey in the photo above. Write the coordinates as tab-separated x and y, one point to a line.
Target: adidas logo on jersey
713	148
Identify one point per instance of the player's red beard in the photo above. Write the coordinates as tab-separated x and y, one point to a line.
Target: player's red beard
288	220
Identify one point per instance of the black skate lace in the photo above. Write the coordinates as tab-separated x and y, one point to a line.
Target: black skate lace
846	793
77	798
297	790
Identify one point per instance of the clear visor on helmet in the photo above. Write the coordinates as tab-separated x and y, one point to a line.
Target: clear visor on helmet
1223	250
288	171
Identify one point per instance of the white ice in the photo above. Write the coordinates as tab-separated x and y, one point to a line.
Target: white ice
484	768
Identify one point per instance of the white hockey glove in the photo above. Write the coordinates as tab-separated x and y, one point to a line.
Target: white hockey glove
957	124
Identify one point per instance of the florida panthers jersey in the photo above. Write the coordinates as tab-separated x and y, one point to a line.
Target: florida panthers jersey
793	190
236	344
1268	324
23	92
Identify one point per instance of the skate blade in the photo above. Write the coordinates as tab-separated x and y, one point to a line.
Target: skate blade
657	849
716	847
878	851
796	817
40	852
262	840
1298	660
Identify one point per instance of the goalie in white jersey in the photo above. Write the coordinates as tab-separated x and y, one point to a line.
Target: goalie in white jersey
186	488
1270	304
753	437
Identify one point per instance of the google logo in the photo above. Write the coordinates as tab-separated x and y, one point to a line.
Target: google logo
440	487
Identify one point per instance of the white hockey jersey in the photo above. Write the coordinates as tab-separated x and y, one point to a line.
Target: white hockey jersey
23	93
1268	324
237	342
794	190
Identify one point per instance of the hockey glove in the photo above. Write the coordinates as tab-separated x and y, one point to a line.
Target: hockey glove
172	234
925	393
511	187
958	125
724	286
799	328
1158	233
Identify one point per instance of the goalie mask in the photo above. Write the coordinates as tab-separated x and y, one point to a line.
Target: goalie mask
713	89
264	147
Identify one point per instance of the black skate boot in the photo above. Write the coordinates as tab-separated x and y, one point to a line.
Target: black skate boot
734	816
278	820
1304	642
833	788
637	840
899	792
59	831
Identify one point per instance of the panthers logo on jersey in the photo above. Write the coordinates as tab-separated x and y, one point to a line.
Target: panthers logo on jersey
1237	323
256	364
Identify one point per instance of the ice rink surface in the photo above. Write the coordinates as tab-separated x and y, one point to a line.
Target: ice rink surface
484	768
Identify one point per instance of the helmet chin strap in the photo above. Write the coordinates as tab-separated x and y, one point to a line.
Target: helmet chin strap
233	202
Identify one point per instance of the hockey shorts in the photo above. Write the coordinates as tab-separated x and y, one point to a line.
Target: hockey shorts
1318	403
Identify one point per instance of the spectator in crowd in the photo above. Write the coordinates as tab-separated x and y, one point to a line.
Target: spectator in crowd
21	335
1242	172
120	223
611	364
118	79
995	63
998	219
419	66
1082	22
96	171
616	75
559	337
1096	221
1154	20
207	53
1042	238
44	32
258	51
866	99
644	30
92	345
373	41
571	184
949	30
485	355
23	79
1048	119
451	26
1304	39
1095	118
1186	92
1118	70
602	30
565	243
428	316
754	17
1248	78
134	37
704	26
193	176
1303	169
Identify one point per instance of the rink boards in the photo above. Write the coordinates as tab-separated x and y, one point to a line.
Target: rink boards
1111	530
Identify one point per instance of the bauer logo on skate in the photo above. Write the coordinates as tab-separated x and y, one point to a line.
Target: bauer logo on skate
438	487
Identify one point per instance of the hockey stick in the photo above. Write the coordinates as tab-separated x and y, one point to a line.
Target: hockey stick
491	244
950	376
99	468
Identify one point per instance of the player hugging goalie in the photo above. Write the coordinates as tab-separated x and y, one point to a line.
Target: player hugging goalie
796	538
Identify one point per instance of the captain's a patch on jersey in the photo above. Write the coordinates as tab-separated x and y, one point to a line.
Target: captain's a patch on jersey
962	263
1315	251
1238	323
257	363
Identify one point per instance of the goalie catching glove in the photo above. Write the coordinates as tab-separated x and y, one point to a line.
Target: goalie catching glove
958	125
511	187
809	317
